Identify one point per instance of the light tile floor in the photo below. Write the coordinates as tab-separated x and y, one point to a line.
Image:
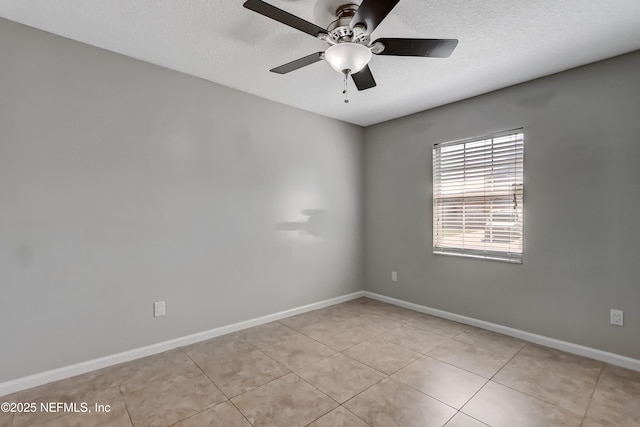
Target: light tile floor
356	364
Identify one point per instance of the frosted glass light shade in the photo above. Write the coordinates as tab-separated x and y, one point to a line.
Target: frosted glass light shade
347	56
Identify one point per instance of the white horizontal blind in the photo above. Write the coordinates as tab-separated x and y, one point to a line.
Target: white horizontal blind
478	197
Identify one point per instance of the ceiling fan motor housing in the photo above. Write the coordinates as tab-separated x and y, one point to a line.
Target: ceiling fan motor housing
340	30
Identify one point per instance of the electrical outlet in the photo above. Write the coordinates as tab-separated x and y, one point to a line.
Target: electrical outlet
158	309
394	276
617	317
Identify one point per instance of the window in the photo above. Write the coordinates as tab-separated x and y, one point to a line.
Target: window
478	197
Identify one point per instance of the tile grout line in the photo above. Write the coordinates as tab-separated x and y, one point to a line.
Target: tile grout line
403	323
373	337
439	334
449	420
487	382
252	388
359	393
415	351
126	407
205	374
339	403
427	354
536	398
207	377
508	361
317	389
593	392
310	337
225	394
471	398
423	355
375	369
272	380
302	333
291	371
298	332
540	398
388	376
522	392
240	412
432	397
473	418
322	415
356	415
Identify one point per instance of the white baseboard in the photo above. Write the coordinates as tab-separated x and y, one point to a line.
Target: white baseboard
592	353
103	362
34	380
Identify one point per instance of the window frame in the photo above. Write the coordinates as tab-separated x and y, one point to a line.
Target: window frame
487	208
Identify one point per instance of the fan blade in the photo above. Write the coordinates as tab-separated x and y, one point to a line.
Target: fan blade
298	63
284	17
372	12
364	79
433	48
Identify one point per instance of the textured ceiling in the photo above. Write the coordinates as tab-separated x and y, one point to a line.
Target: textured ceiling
502	42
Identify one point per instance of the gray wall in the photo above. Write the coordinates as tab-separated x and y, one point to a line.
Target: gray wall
582	198
123	183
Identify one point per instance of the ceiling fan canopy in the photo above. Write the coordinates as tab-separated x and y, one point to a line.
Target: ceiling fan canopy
349	38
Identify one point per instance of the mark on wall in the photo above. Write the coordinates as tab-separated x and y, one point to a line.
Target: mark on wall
24	256
315	225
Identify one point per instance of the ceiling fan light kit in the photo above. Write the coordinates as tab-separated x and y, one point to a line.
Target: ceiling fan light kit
347	57
349	38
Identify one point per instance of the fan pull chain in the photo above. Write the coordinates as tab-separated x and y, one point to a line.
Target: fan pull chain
346	94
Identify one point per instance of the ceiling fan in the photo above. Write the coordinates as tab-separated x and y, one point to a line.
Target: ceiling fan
349	38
